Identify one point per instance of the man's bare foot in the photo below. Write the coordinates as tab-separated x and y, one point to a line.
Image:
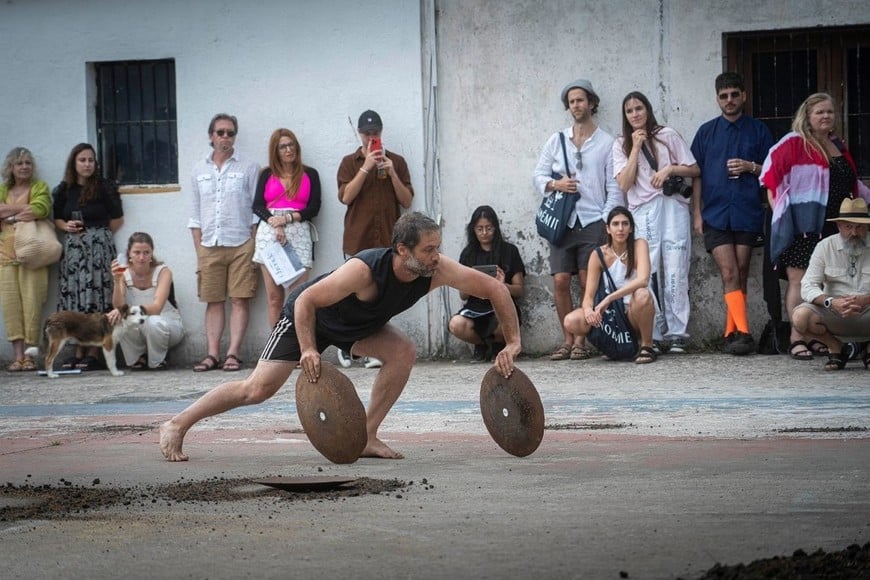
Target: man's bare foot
171	439
377	448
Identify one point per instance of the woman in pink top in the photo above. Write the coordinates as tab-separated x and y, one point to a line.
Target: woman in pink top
287	199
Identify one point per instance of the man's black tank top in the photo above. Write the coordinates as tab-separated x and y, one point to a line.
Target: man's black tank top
352	319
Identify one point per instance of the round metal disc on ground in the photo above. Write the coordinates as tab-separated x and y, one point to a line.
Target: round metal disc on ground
512	411
302	484
332	415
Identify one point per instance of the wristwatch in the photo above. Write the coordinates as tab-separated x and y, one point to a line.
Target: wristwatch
829	302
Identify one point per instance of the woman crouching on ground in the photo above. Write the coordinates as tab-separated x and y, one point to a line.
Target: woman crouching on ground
627	260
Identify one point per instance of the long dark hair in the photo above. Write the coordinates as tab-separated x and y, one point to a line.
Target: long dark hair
630	260
485	212
652	126
70	177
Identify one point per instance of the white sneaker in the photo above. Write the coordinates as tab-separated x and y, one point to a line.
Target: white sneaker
344	359
371	362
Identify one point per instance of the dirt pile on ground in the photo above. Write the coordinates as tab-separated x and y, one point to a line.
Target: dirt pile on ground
851	563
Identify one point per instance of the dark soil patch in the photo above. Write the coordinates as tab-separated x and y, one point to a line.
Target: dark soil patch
121	428
586	426
848	429
25	502
848	564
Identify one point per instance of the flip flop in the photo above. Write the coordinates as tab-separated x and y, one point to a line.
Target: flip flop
805	354
232	363
209	363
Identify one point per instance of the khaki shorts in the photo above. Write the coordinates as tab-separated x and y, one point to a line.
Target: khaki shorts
845	329
226	272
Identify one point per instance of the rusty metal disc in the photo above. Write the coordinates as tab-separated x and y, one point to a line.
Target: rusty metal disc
512	411
332	415
303	484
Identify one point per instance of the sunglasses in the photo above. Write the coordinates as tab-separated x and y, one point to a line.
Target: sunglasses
853	260
578	160
726	96
286	146
225	133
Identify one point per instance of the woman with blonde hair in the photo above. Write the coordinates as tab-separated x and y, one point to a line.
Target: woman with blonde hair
808	174
286	200
23	291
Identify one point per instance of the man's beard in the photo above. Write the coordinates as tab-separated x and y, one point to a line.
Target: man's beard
417	268
855	245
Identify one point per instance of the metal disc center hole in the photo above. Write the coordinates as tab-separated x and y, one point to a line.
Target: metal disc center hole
322	416
505	412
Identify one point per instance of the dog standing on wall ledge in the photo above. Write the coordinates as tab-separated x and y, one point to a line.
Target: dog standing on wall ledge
86	330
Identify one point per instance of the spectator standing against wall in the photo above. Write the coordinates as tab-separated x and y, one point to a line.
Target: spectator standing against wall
808	174
375	185
591	181
223	224
651	163
286	200
87	208
727	204
23	291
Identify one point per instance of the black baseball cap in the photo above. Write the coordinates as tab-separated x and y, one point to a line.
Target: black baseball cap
369	121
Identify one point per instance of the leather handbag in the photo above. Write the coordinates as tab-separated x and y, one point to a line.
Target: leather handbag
36	244
555	210
614	337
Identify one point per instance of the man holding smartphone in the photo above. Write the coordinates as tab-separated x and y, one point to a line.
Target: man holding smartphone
374	184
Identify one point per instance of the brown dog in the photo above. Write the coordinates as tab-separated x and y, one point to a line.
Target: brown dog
86	330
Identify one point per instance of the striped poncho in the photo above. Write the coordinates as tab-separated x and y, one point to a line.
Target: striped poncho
798	178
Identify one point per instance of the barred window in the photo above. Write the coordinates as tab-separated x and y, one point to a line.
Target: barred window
784	67
136	121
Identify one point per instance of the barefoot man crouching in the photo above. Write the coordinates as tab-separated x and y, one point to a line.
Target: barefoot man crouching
351	308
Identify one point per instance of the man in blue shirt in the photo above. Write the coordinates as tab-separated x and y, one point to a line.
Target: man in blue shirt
727	206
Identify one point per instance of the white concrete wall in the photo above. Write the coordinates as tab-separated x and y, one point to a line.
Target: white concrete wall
502	66
272	63
307	65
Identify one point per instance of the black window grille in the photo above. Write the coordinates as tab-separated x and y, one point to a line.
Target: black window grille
136	121
784	67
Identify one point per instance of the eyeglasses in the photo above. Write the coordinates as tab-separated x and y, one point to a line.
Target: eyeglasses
225	133
484	229
578	160
286	146
726	96
852	269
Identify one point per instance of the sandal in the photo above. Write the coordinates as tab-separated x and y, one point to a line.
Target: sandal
71	363
89	363
645	355
232	363
28	365
561	353
140	364
836	361
580	352
209	363
16	366
805	354
818	347
161	367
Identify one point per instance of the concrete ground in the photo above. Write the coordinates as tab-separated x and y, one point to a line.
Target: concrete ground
655	471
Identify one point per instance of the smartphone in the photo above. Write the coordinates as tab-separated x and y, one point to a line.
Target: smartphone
375	144
490	270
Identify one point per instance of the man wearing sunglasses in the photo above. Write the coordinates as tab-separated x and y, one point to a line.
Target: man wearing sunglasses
727	207
588	177
223	227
